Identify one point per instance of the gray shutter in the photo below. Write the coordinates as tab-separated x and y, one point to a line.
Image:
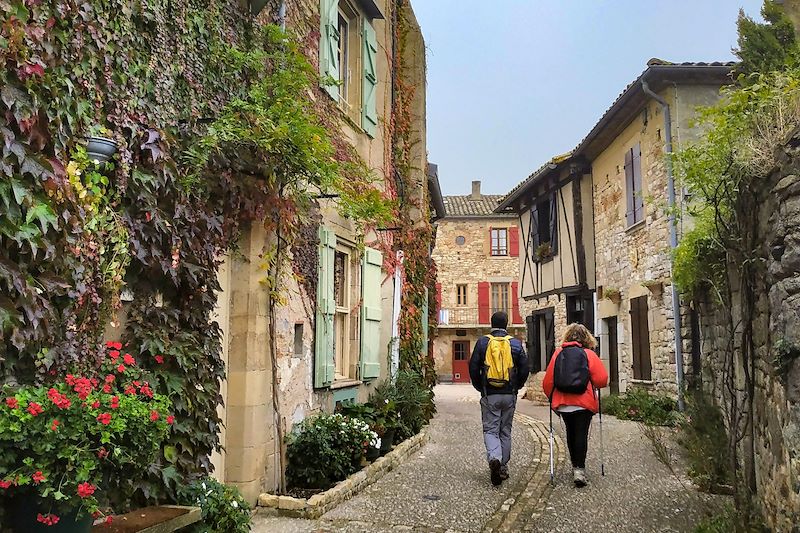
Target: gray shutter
535	229
554	223
638	192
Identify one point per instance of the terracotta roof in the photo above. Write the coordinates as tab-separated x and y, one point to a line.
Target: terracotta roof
465	206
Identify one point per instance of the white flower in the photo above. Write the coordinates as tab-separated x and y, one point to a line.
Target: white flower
209	493
96	161
235	504
203	485
386	401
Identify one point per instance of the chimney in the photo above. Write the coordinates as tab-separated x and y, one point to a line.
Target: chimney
476	190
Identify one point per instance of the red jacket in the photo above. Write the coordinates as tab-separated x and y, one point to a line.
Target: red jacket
598	377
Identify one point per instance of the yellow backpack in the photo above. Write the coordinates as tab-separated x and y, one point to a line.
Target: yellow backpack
498	361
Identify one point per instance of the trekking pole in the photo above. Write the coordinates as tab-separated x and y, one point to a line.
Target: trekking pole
602	456
552	471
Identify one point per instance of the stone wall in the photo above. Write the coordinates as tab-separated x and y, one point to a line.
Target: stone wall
626	256
776	322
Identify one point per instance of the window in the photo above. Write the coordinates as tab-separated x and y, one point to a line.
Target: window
460	350
544	223
499	238
461	295
460	240
298	340
500	300
341	321
580	310
640	339
349	55
633	186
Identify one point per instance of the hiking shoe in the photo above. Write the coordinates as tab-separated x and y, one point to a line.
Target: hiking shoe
579	477
494	467
504	472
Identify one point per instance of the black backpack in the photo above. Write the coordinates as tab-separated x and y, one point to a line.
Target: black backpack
571	371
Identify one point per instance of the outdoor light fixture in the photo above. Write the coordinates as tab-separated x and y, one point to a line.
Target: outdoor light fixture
100	149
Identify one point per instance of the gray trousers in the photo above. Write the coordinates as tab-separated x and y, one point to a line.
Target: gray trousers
497	413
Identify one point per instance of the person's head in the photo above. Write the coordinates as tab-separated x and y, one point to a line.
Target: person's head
579	333
500	320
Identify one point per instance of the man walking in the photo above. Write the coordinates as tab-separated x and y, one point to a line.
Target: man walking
498	368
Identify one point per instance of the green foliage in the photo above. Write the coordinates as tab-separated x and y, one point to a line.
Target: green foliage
724	521
786	353
769	46
325	449
223	507
699	260
83	442
380	413
412	399
641	406
703	437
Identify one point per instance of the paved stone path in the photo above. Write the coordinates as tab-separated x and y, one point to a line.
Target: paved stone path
446	488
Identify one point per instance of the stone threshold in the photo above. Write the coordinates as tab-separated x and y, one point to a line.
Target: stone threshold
321	503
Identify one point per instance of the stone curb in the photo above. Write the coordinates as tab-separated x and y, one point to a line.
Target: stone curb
321	503
529	497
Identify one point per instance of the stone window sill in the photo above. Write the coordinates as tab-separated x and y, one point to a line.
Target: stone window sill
635	227
643	382
344	383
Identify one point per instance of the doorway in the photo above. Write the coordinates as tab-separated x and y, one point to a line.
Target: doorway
461	361
541	338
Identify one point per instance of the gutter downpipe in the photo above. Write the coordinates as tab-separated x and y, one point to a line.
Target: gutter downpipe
673	240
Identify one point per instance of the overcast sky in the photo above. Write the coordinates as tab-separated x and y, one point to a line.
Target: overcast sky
511	83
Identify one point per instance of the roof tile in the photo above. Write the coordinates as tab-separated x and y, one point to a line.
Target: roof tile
465	206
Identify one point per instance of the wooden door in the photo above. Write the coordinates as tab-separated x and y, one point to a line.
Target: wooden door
640	339
461	361
613	355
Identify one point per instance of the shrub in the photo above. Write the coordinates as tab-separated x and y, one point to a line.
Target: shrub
325	449
641	406
222	506
412	400
721	522
704	439
76	442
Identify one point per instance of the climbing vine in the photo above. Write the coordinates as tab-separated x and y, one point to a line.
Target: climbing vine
217	128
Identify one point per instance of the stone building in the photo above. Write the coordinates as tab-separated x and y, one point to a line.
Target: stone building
599	251
476	253
331	345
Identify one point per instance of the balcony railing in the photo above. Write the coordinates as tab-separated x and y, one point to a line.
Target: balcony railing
471	316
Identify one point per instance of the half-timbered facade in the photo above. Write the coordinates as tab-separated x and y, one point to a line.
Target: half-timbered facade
476	254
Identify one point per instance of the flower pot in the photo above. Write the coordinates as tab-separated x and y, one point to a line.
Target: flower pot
373	453
27	509
386	441
100	149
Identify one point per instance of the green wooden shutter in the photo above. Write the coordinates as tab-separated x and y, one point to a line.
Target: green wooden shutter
326	309
369	111
371	281
329	44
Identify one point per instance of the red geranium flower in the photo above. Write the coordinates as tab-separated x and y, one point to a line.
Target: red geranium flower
35	409
159	359
114	355
104	418
54	425
96	404
146	390
102	453
115	402
83	386
60	400
129	360
170	419
85	490
153	415
107	388
114	345
130	390
12	403
48	519
109	519
38	477
4	484
110	378
70	380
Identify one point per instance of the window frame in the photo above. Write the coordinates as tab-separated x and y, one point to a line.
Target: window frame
634	197
464	344
498	247
461	290
349	91
342	319
503	292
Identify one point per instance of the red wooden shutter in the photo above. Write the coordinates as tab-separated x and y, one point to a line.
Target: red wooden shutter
513	241
515	316
483	302
438	297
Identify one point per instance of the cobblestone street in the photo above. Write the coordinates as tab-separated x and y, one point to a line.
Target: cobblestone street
446	486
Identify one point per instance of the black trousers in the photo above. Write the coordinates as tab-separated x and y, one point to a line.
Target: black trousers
578	423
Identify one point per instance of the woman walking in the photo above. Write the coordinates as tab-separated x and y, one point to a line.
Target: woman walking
572	376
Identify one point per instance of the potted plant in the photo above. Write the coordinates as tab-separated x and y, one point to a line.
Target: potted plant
543	251
655	286
390	422
613	294
65	444
100	147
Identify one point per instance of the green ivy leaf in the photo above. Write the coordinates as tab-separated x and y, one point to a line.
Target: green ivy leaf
44	214
171	454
